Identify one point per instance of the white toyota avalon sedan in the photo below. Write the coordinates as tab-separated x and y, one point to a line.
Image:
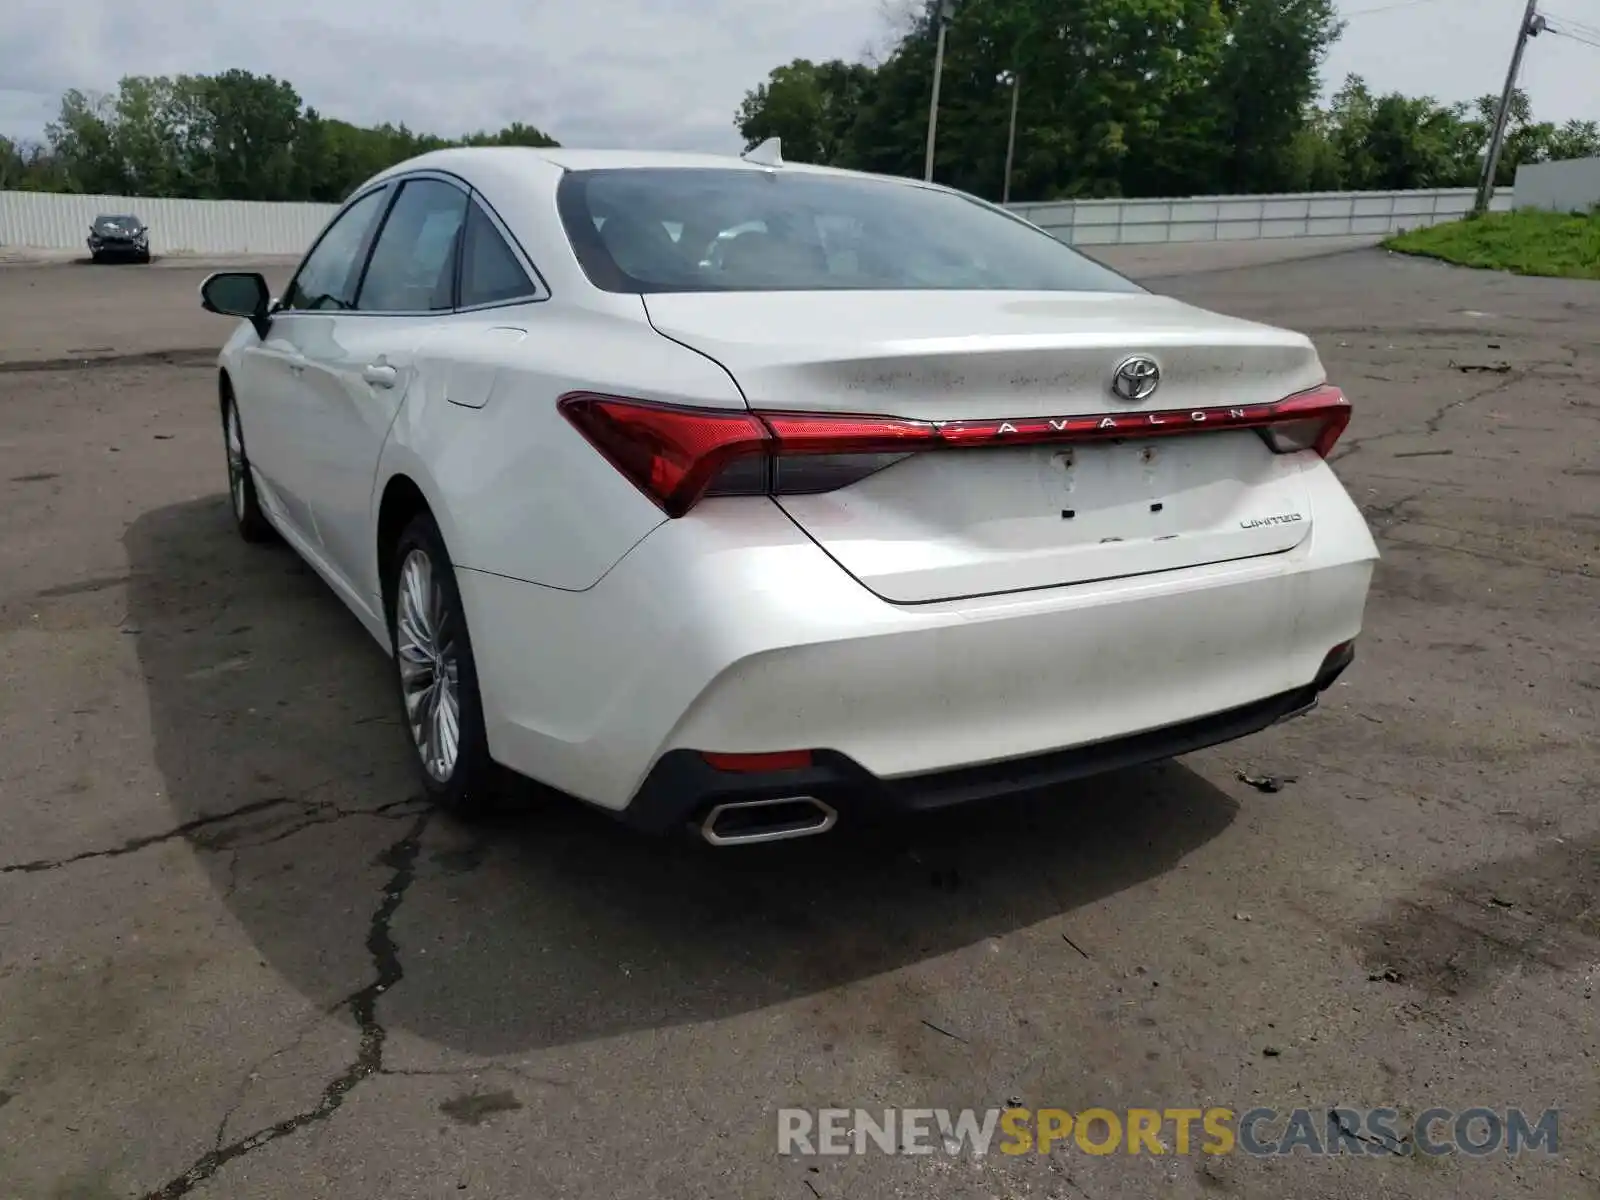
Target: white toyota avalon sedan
753	496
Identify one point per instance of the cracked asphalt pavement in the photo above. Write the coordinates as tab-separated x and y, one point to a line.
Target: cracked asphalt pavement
238	957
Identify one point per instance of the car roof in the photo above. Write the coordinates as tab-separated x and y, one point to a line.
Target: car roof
532	161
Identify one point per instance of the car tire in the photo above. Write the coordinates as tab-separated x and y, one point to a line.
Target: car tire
248	518
436	675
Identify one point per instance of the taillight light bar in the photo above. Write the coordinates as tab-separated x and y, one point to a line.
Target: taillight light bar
672	454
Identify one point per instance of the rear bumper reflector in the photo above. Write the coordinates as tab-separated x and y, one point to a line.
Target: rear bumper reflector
746	764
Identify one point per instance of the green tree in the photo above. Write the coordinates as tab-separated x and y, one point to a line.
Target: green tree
13	166
514	134
30	167
233	136
1135	97
239	135
811	106
1397	141
81	136
142	130
1268	78
1314	163
1575	139
1530	141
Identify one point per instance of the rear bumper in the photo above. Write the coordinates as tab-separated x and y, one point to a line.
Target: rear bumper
730	631
683	787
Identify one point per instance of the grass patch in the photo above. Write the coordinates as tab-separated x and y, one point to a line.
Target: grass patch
1530	242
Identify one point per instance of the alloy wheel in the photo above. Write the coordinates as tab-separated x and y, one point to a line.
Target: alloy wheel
429	665
236	468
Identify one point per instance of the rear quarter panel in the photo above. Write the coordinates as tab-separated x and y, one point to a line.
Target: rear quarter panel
517	491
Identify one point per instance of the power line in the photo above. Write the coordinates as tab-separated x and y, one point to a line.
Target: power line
1583	28
1573	23
1559	32
1383	8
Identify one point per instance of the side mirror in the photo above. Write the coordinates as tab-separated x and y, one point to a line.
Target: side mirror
239	294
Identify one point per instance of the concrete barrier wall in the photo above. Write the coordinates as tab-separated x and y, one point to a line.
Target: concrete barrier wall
1241	218
49	221
53	221
1572	185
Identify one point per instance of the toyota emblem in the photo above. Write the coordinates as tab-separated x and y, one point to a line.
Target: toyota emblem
1136	378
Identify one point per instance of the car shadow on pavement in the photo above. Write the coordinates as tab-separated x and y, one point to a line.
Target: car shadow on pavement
274	730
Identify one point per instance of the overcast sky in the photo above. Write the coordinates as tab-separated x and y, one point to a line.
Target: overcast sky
630	72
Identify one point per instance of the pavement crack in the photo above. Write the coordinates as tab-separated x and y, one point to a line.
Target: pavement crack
1336	1117
1075	945
1391	511
313	813
133	845
1390	537
251	1075
1432	425
401	859
325	814
472	1073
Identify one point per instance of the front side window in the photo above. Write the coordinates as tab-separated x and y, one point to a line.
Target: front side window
327	279
742	230
413	266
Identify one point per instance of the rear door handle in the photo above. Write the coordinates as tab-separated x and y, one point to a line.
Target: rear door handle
379	375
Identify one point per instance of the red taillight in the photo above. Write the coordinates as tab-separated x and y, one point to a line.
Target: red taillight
1313	420
836	433
674	454
669	454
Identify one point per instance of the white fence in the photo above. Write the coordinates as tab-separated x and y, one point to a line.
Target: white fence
1240	218
1571	185
61	222
52	221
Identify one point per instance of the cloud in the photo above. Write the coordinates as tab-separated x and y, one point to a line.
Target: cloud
663	74
1459	50
631	73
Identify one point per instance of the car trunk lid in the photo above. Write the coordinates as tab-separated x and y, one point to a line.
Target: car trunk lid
990	517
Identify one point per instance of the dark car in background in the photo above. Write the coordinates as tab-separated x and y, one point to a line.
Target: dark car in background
119	236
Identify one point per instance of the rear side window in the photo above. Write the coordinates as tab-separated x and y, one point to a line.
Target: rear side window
682	229
490	272
413	266
327	279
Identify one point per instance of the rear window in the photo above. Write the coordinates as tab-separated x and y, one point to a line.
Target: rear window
698	230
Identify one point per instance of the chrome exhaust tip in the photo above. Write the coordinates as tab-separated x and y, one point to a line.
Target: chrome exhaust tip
745	822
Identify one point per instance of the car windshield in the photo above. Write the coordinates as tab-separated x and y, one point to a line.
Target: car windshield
738	230
116	221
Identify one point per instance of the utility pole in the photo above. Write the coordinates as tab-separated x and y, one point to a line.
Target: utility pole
1011	137
947	10
1532	25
